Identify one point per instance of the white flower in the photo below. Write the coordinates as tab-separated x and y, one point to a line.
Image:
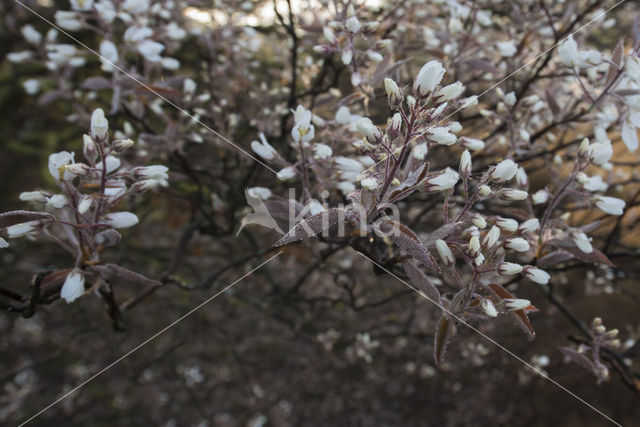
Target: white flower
106	10
484	190
419	152
322	151
135	6
393	91
517	244
175	32
509	268
58	163
3	243
33	196
510	99
465	163
57	201
261	193
521	177
68	20
445	253
170	64
19	230
473	248
109	55
19	57
539	197
287	173
582	241
99	124
346	187
151	50
158	172
516	303
85	204
303	130
530	225
504	171
492	236
121	219
428	78
506	49
31	86
329	35
73	287
629	135
315	207
513	194
31	35
61	54
111	162
343	116
137	34
488	307
536	275
368	129
349	169
347	56
369	184
593	183
632	67
375	56
442	136
263	148
449	92
471	143
610	205
507	224
444	181
572	57
600	152
479	221
353	25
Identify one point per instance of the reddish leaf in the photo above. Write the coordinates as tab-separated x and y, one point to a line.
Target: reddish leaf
616	58
96	83
553	104
442	233
520	316
555	257
407	240
422	282
445	331
312	226
18	217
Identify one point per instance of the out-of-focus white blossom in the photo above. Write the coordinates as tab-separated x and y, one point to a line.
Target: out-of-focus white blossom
31	86
287	173
445	252
369	184
135	6
322	151
442	136
506	49
99	124
31	35
504	171
571	56
121	219
582	241
109	55
22	229
540	197
151	50
349	169
263	148
261	193
471	143
512	194
610	205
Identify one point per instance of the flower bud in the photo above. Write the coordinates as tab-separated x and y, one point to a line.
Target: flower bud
509	268
488	307
504	171
471	143
444	181
445	253
449	92
99	124
540	197
521	178
492	237
512	194
610	205
393	130
121	219
516	303
536	275
33	196
484	190
465	164
108	238
517	244
89	149
442	136
428	78
530	225
78	169
479	221
507	224
473	248
393	92
73	286
122	144
370	131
